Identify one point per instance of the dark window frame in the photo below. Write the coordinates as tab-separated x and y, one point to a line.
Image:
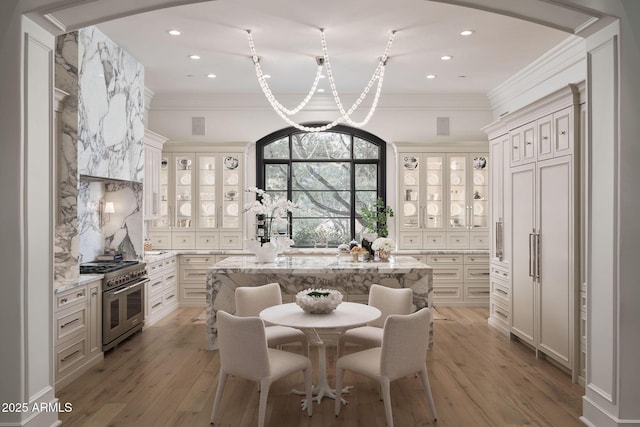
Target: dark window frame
353	133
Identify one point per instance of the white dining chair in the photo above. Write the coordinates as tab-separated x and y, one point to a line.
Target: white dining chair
403	353
388	301
244	353
251	300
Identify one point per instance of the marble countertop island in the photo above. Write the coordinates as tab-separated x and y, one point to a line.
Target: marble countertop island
296	273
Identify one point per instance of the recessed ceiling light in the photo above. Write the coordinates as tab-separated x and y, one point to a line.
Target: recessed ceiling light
462	76
189	75
174	32
211	76
194	56
446	57
431	76
466	32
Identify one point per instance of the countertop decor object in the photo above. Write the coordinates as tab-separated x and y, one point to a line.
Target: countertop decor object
274	211
318	301
383	246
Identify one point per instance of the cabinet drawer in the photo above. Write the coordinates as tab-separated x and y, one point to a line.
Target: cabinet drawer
71	322
500	292
207	241
479	241
476	259
160	239
169	263
447	274
74	296
155	305
70	357
155	286
435	241
475	273
191	295
458	240
169	277
184	240
197	260
500	313
447	293
410	240
154	268
193	275
500	272
445	259
230	240
170	297
479	293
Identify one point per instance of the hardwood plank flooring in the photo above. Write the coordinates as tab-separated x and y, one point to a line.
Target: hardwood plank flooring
164	377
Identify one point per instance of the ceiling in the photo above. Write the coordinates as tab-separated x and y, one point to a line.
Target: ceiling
287	38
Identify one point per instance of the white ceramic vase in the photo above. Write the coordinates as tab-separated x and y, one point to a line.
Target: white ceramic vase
269	251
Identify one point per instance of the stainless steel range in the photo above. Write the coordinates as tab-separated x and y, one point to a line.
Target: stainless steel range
122	298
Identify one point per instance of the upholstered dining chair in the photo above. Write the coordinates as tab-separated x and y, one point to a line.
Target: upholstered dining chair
244	353
388	301
251	300
403	353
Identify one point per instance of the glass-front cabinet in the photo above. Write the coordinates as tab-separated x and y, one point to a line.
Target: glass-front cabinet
443	200
201	200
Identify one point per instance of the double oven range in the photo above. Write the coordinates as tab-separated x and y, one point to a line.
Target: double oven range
122	298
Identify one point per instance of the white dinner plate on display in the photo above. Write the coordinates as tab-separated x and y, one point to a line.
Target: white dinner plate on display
232	179
185	209
478	179
210	179
185	179
432	209
209	208
455	179
163	209
410	179
477	207
232	209
456	209
409	209
432	179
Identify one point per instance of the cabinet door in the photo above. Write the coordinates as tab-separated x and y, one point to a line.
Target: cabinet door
555	221
207	192
434	210
184	183
409	167
523	223
563	132
458	167
95	317
479	197
496	196
166	207
151	182
232	171
545	134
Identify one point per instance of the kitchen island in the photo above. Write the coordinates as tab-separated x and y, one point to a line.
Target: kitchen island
296	273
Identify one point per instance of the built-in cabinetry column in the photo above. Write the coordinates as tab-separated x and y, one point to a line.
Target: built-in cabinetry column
152	163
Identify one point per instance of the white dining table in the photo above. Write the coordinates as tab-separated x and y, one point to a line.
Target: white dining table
347	315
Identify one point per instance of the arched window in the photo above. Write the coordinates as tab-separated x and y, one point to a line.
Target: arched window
331	175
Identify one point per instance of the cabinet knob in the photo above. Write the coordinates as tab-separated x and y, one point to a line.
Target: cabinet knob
563	132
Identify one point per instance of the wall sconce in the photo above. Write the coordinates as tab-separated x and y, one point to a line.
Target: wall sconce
105	208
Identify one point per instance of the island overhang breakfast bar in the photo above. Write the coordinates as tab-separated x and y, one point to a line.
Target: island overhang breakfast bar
296	273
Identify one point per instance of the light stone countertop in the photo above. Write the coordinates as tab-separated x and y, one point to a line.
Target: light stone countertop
66	285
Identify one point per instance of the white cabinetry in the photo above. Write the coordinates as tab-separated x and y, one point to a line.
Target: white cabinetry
78	331
162	289
193	279
201	198
460	279
534	284
443	198
152	158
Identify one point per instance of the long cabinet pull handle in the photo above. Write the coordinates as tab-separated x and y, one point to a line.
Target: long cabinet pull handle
71	322
531	266
70	356
538	257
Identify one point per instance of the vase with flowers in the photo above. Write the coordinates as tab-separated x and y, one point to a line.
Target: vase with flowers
383	246
271	212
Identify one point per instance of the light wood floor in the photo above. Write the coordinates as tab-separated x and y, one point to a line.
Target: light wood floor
164	377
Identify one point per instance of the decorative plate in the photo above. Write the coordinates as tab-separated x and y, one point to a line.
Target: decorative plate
456	209
479	162
209	208
410	162
432	179
185	179
477	207
478	179
409	209
232	209
210	179
410	179
455	179
232	179
163	209
432	209
185	209
230	162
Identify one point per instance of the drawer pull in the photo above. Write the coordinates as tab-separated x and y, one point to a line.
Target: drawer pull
501	314
64	359
500	291
71	322
170	277
479	274
446	292
63	301
445	274
171	296
479	292
197	274
156	305
156	284
79	294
